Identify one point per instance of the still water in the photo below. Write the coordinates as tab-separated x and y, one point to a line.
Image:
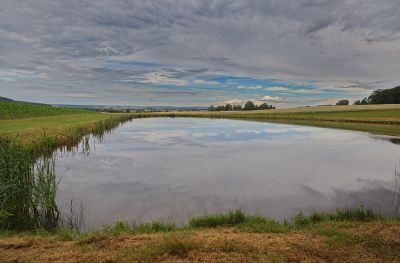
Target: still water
176	168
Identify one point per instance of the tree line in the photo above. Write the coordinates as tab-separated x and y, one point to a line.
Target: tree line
249	105
382	96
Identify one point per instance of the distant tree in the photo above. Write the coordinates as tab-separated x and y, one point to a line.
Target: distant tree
228	107
220	108
342	102
386	96
249	106
382	96
237	107
265	106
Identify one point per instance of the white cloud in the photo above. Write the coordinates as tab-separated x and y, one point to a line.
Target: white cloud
256	87
160	78
269	98
206	82
276	88
232	102
304	91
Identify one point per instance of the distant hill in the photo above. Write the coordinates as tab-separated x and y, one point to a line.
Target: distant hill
382	96
5	99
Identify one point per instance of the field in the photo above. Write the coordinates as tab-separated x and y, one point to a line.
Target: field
354	236
18	110
381	119
29	123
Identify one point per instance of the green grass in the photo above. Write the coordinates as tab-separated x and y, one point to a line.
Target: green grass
259	224
237	218
28	183
230	219
19	110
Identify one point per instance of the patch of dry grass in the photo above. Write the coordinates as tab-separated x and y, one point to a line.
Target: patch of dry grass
377	241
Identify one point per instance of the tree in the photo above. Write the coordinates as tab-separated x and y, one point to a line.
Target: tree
382	96
237	107
228	107
265	106
211	108
342	102
249	106
387	96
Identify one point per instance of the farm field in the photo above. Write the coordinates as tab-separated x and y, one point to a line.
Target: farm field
29	123
19	110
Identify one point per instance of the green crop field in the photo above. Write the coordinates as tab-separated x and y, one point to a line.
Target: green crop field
19	110
29	122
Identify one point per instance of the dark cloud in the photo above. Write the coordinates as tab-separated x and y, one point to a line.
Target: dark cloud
77	44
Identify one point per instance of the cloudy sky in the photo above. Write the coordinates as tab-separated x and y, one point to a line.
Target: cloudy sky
197	52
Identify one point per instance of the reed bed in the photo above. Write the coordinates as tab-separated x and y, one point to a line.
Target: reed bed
28	183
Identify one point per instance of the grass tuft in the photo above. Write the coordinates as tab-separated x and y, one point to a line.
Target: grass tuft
154	227
233	218
359	214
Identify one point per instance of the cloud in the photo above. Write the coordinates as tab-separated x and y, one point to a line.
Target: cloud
50	48
162	79
200	81
276	88
256	87
269	98
232	102
305	91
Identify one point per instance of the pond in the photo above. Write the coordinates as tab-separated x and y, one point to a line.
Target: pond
176	168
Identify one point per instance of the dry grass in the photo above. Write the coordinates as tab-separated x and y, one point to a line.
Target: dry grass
376	241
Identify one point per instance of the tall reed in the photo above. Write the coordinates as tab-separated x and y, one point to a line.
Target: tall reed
28	182
27	189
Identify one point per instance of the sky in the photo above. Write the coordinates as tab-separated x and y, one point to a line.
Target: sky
287	53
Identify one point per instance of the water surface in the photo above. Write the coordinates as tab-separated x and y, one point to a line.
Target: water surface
176	168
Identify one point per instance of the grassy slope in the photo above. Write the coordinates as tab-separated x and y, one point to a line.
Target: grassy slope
382	119
19	110
29	122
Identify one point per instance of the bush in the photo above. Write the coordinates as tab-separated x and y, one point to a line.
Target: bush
342	102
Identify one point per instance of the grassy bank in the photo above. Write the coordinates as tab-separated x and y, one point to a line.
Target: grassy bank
28	183
350	235
28	123
381	119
